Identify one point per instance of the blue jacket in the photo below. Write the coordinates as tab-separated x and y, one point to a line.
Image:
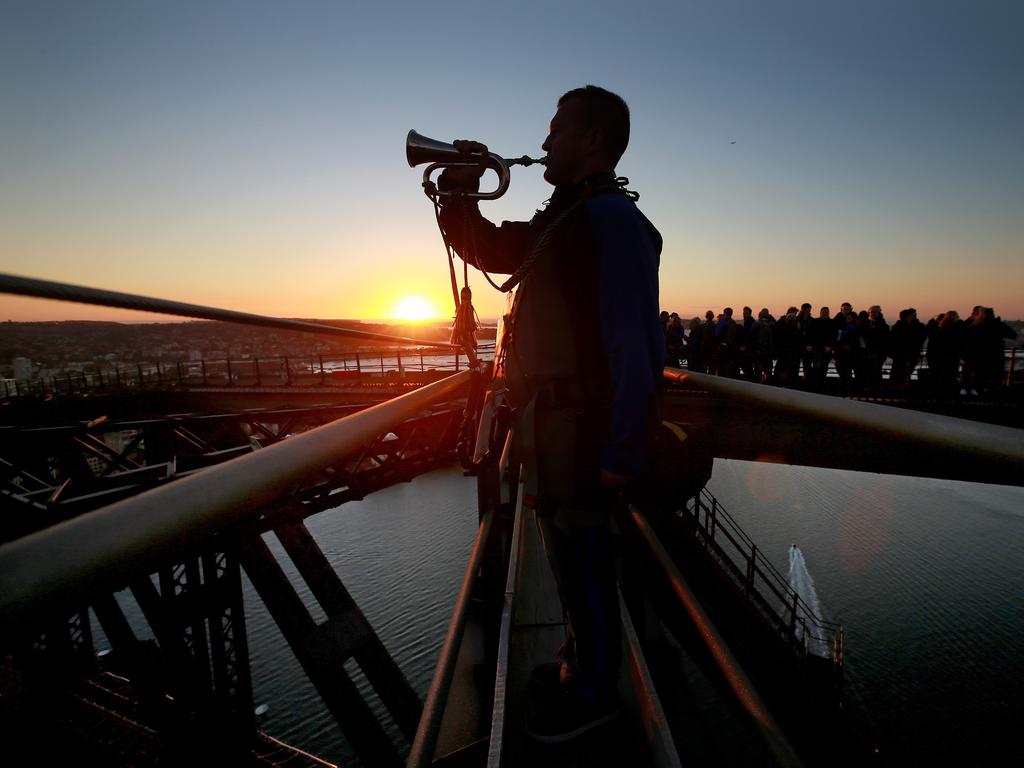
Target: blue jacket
585	318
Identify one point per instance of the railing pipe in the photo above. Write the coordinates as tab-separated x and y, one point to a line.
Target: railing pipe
499	710
990	447
421	754
106	548
47	289
737	679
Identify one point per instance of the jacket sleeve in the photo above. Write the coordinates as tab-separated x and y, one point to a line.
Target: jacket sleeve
498	249
628	251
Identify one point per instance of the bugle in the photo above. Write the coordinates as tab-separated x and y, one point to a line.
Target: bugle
420	149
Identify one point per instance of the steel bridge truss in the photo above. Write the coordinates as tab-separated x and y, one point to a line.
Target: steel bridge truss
51	474
190	678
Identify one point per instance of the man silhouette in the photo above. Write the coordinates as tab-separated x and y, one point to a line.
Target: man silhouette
585	397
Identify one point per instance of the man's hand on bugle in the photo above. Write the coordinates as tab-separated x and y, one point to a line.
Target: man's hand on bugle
465	178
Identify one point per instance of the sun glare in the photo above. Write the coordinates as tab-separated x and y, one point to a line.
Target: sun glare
413	308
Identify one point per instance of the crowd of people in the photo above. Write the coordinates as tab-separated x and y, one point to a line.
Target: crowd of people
964	356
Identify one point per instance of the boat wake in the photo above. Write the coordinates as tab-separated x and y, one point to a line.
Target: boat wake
809	610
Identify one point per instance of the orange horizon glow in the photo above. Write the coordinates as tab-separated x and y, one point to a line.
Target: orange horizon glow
414	308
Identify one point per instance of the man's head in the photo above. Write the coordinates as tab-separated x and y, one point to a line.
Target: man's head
587	135
824	313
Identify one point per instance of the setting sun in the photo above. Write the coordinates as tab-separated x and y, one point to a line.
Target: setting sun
413	308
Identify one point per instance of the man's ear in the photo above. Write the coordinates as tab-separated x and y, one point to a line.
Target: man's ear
596	141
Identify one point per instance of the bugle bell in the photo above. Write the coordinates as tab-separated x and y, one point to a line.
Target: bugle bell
420	149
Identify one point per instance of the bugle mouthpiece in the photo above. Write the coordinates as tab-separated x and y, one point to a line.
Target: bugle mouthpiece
526	161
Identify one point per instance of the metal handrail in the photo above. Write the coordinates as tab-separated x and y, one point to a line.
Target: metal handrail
48	289
742	687
994	447
499	710
104	549
746	548
421	753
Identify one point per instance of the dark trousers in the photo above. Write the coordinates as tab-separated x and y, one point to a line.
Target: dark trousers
582	560
560	448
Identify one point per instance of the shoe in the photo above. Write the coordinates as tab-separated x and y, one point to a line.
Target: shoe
569	717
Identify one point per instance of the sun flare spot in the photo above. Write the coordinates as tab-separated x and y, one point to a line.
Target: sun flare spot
413	308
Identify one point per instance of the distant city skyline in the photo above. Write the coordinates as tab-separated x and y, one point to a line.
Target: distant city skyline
249	155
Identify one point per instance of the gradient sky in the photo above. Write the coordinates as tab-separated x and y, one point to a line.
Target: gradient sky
250	155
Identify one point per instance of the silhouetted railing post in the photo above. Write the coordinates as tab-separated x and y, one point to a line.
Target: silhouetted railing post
159	376
178	366
230	376
85	382
359	368
203	364
256	368
421	362
456	361
382	364
1009	373
138	367
117	375
288	372
323	378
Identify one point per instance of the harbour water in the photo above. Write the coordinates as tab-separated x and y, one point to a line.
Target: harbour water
927	577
